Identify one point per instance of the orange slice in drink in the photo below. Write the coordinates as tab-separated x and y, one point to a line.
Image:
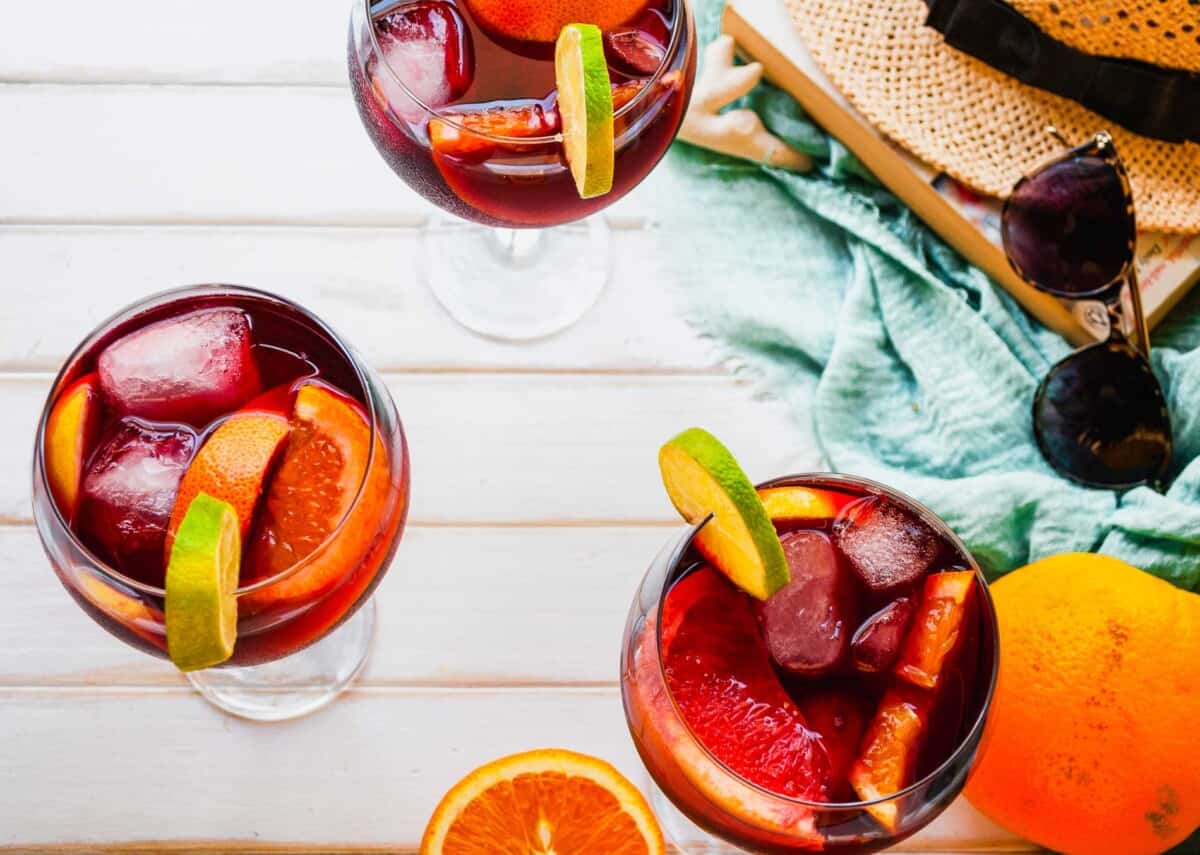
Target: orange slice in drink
543	801
232	466
787	504
889	751
314	488
936	628
70	435
543	20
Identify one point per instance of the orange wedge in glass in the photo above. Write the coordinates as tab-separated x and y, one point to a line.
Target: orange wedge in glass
70	435
936	627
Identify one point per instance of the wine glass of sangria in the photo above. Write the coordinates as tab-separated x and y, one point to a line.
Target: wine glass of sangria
520	119
219	480
808	666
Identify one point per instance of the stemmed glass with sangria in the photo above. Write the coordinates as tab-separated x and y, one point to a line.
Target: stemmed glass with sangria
520	117
219	480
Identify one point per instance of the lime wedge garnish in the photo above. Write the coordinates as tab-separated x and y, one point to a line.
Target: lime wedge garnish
702	477
585	105
202	575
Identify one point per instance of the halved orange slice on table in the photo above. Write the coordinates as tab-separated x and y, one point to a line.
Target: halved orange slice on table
548	800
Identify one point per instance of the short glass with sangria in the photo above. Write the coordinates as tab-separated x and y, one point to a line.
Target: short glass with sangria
809	665
219	480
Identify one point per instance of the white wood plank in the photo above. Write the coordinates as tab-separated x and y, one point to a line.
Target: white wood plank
63	280
185	154
110	766
168	154
218	41
460	606
502	448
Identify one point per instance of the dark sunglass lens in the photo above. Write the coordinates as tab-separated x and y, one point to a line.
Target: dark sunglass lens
1067	228
1100	418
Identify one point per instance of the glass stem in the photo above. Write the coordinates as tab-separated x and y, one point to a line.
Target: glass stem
516	247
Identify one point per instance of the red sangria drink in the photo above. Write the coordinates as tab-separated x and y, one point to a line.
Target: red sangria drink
220	481
809	666
520	115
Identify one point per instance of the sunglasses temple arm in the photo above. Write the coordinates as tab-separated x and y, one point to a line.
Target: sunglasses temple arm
1141	328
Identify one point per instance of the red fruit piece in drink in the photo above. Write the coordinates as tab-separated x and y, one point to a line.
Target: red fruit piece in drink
888	758
888	547
428	46
839	717
877	641
128	494
807	623
188	369
633	52
458	134
71	431
720	674
936	629
316	487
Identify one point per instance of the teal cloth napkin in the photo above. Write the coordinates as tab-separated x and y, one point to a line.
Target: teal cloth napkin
911	366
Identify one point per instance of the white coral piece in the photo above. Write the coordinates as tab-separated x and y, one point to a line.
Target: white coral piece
739	133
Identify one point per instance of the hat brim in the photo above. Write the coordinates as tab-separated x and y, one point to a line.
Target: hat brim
963	117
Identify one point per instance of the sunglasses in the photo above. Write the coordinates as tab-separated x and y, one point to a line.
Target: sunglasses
1099	416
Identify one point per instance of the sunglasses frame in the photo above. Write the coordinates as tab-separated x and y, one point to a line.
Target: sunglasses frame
1101	146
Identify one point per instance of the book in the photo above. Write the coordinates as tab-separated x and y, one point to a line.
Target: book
1167	264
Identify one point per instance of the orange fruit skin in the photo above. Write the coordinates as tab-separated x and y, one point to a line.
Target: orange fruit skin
543	20
71	431
232	466
550	800
1093	742
314	487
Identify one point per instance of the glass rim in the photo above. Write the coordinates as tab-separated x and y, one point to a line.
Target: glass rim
834	479
157	300
677	28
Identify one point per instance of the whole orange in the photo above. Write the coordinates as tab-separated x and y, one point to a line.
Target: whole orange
1093	743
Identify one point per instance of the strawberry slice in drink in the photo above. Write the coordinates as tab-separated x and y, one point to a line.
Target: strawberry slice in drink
461	134
720	674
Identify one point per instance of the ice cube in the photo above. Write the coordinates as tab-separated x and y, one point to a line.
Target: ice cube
807	623
633	52
128	494
428	46
877	642
189	369
887	546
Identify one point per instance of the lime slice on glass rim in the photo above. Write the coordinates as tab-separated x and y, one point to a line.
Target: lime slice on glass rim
202	575
585	105
702	477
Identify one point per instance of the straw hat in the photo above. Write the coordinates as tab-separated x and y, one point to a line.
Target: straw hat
1131	61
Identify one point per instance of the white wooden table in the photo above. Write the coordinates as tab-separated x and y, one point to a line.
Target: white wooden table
147	144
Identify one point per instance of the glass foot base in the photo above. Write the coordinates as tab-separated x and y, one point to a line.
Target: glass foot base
298	684
516	284
680	831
